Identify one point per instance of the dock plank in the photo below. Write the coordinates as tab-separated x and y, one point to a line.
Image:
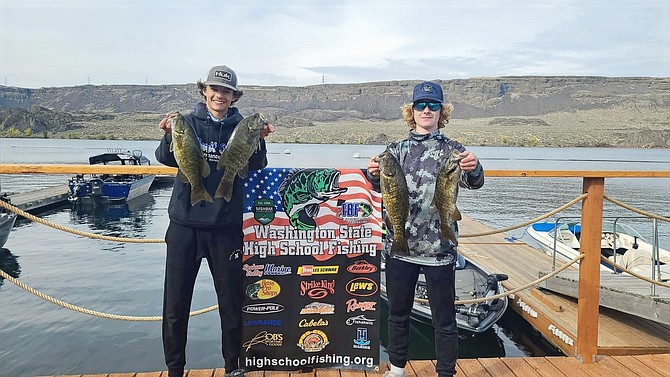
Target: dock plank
619	333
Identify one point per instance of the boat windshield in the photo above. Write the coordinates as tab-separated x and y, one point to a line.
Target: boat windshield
621	228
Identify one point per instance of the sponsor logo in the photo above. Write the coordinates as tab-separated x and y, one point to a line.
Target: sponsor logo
263	289
313	341
318	308
362	267
313	323
317	289
355	211
267	338
274	270
253	270
360	320
268	308
364	306
362	287
263	322
264	210
309	270
362	341
223	75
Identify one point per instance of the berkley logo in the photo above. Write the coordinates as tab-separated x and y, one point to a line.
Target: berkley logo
361	287
268	308
263	289
362	267
317	289
264	210
309	270
223	75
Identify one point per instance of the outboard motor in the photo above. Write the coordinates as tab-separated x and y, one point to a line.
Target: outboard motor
492	281
95	187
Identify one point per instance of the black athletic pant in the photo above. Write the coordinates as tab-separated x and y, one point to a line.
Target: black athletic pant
186	247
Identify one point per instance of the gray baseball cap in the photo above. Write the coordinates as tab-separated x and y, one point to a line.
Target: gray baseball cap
221	75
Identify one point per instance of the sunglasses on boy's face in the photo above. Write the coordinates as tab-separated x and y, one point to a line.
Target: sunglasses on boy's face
433	106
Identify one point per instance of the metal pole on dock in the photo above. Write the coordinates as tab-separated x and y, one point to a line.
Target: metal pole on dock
589	270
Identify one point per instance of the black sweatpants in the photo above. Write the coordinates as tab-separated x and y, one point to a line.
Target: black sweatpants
186	247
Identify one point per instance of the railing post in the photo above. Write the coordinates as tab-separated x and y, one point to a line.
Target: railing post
589	270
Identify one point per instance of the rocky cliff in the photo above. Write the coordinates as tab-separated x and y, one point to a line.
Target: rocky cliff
636	104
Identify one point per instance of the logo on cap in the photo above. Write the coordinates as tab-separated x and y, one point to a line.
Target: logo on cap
223	74
427	88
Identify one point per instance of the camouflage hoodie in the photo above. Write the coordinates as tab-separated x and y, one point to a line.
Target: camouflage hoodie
421	156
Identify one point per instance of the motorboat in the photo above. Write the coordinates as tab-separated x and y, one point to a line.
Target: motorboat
96	189
620	243
472	282
7	220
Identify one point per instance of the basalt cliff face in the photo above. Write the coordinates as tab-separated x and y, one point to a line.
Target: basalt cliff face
580	111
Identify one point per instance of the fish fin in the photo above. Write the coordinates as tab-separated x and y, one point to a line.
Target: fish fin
433	206
182	176
225	188
447	233
204	168
400	246
244	171
312	210
220	164
200	194
457	215
300	221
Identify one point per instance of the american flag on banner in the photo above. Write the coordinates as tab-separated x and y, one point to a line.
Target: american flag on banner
318	212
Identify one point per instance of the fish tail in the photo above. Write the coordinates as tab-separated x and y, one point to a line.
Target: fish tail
225	188
200	194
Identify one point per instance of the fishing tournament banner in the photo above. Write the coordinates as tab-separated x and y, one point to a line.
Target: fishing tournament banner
312	242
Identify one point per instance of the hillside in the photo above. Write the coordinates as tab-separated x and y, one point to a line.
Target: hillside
543	111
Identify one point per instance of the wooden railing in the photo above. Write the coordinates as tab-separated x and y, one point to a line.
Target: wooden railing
591	220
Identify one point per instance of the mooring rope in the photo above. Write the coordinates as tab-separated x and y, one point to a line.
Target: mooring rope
542	217
642	277
30	217
93	312
637	210
513	291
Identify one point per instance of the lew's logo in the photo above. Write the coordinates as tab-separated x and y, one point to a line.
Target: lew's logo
223	75
263	289
362	267
264	210
361	287
263	308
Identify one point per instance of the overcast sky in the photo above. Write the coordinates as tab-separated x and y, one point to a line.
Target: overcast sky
46	43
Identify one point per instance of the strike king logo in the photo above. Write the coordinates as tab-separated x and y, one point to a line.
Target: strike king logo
354	212
264	210
313	341
361	267
317	289
362	287
265	337
263	289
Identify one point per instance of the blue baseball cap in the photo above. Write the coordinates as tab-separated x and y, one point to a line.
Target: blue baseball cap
428	91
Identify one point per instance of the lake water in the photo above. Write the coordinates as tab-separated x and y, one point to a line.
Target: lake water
40	338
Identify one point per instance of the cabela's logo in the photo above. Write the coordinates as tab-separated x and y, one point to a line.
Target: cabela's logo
264	210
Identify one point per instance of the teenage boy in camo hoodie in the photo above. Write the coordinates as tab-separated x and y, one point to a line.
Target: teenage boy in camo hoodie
206	230
421	155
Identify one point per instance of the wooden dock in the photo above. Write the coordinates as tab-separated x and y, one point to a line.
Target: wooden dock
621	292
555	315
557	366
40	199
